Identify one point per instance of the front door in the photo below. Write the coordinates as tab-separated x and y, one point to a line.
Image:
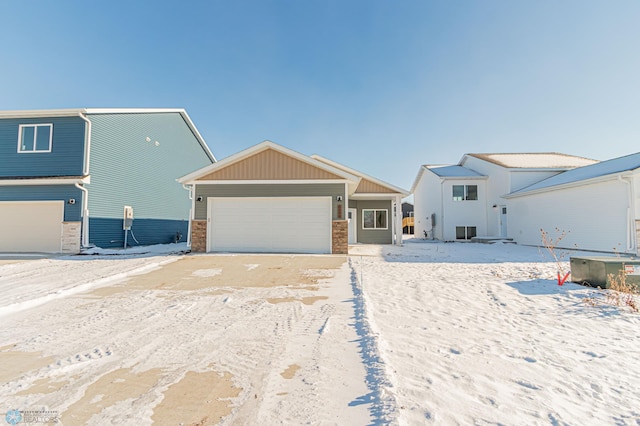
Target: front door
352	214
503	221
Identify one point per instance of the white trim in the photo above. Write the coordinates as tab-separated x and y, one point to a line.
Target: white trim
399	190
190	178
85	214
465	194
131	110
35	138
265	182
466	228
375	196
386	228
583	182
36	181
354	218
397	216
38	113
87	144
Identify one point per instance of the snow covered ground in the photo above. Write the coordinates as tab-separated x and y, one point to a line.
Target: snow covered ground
482	334
426	333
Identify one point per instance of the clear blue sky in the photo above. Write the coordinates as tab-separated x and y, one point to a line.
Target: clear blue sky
381	86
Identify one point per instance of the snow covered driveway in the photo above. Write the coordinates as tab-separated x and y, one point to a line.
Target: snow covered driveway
182	340
482	334
427	333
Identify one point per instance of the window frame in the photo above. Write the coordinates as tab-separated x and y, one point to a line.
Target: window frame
35	126
466	232
465	193
375	222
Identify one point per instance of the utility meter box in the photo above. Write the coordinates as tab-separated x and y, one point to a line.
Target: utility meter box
128	218
597	271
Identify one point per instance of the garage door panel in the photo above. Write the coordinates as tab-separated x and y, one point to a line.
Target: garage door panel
278	224
31	226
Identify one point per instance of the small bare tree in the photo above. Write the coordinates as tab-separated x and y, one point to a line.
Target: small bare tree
551	244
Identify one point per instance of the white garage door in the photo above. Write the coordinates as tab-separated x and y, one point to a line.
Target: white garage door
270	224
31	226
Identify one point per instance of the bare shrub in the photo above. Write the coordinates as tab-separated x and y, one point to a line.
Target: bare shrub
551	244
622	293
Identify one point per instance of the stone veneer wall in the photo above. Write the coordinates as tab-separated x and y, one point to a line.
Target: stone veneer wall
340	237
199	236
71	237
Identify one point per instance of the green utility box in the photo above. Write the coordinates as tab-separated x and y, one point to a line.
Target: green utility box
597	271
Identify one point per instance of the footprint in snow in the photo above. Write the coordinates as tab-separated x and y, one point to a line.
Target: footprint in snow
528	385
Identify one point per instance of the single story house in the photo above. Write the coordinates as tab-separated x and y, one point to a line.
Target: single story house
269	198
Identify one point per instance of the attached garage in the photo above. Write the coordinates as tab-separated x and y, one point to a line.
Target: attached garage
271	199
269	224
31	226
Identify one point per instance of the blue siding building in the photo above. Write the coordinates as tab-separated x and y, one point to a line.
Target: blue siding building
66	176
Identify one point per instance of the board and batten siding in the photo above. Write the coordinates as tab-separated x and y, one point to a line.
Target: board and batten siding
270	165
67	149
373	236
72	212
128	169
269	190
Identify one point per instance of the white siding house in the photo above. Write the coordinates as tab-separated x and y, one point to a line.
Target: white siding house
444	214
459	216
597	206
511	172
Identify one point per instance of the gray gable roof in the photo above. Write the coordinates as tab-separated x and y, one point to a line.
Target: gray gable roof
453	171
604	168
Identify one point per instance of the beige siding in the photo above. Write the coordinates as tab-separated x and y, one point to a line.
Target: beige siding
368	187
269	165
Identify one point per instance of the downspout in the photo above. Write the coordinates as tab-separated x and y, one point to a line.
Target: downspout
630	243
441	210
85	173
85	214
87	144
191	212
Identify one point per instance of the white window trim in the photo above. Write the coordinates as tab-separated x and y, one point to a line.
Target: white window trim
35	137
465	193
466	232
374	222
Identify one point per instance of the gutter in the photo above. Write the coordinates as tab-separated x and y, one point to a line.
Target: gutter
597	179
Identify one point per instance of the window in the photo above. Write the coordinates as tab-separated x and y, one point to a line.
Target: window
465	192
35	137
465	232
374	219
